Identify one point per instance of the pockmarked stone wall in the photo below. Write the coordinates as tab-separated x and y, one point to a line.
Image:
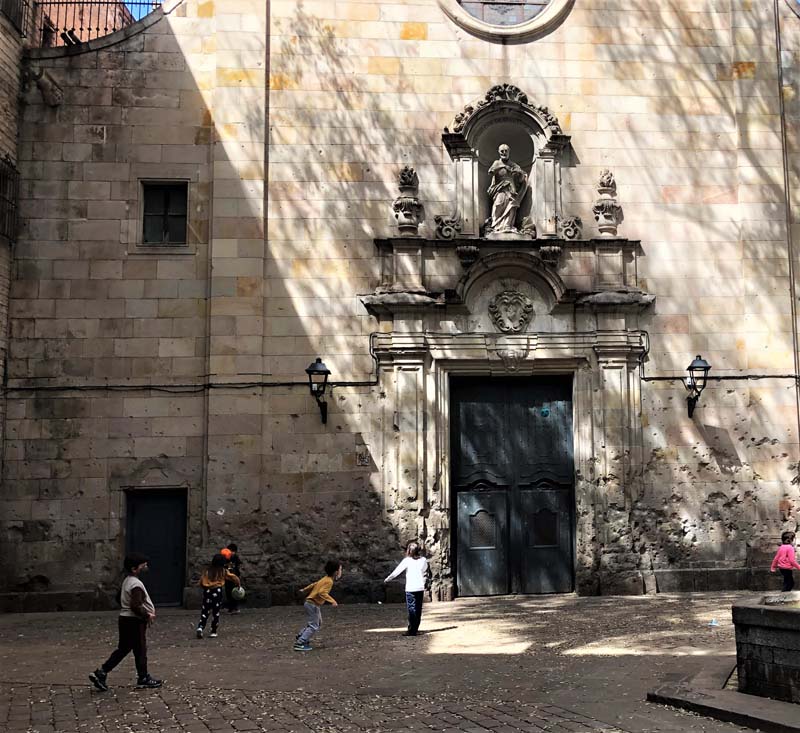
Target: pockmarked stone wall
10	79
133	367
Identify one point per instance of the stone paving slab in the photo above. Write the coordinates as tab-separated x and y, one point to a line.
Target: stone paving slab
713	692
127	710
504	664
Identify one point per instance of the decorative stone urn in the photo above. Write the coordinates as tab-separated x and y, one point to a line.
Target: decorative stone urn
407	208
607	211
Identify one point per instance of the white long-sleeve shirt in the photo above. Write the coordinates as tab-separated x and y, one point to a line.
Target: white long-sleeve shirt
415	569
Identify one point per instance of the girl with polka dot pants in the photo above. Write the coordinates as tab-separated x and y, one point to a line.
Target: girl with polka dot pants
213	584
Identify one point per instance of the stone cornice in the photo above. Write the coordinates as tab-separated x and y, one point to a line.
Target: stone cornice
387	243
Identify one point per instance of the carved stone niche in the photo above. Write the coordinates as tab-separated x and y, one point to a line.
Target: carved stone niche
504	115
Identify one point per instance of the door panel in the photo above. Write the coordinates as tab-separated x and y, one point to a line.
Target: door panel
481	419
544	413
546	551
156	527
482	543
512	456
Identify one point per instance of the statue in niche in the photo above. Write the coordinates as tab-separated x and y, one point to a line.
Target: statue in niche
507	189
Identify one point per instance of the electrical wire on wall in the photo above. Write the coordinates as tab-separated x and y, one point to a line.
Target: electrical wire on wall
196	387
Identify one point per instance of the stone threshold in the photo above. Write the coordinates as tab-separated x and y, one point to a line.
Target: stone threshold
705	693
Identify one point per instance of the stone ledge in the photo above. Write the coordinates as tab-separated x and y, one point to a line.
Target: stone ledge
36	601
713	579
772	616
703	693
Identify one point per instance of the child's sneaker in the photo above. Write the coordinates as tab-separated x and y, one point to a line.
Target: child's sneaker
98	678
148	682
212	635
199	633
301	646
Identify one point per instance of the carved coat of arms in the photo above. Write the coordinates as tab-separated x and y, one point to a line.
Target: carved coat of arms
511	311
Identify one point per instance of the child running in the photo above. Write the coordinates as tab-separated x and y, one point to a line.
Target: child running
415	566
320	593
784	560
213	582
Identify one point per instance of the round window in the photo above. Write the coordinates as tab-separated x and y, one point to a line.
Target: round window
508	21
504	12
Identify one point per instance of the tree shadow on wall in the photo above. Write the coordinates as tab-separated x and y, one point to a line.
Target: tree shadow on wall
699	97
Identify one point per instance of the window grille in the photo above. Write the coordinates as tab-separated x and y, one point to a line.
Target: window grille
17	12
165	207
9	199
504	12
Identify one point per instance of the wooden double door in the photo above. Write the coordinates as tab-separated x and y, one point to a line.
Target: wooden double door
513	484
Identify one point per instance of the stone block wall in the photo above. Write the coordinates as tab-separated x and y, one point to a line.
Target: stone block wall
767	643
10	79
109	336
185	368
10	58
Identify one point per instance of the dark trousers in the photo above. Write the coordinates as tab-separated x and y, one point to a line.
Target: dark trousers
788	579
414	605
132	638
212	602
232	604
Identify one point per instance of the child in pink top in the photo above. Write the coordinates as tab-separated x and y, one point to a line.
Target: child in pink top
785	560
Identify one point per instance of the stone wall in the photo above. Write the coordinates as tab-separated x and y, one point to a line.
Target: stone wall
767	642
10	57
10	68
132	367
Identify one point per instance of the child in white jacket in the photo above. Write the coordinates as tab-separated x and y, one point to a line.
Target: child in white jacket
415	567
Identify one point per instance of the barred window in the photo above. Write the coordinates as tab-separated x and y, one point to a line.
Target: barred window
164	213
504	12
17	13
9	198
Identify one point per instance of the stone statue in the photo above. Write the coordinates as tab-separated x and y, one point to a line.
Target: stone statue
508	187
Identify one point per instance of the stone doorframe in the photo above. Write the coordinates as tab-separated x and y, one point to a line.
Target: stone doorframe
606	431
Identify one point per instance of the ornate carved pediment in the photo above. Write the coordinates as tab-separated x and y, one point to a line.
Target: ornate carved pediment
511	266
499	95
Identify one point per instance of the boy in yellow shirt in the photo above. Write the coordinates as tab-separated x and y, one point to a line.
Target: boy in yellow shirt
320	593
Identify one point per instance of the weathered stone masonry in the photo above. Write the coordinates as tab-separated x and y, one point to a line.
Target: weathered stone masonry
290	123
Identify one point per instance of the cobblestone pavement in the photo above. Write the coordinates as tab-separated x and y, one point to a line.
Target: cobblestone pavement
76	709
557	663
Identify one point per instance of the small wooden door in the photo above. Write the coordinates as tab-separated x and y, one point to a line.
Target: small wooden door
513	480
156	527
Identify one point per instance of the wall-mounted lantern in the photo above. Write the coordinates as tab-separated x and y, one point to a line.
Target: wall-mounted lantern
318	375
696	383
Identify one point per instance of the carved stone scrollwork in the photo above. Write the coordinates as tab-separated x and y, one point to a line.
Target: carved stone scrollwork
510	353
407	208
607	211
571	227
512	358
550	254
505	93
511	311
447	227
52	93
467	254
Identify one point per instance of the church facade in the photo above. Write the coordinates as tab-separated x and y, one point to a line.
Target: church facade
504	228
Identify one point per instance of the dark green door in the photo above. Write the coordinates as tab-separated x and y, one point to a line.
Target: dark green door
156	527
513	480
